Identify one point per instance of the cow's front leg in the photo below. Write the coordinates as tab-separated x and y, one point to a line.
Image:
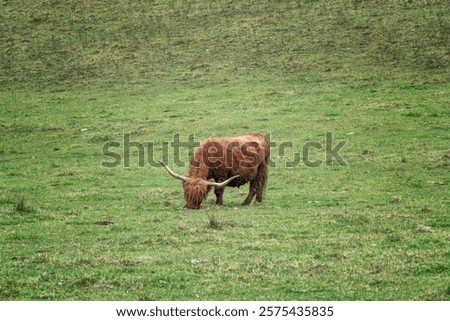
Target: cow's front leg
219	195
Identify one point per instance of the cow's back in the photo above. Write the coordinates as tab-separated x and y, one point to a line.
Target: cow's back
221	158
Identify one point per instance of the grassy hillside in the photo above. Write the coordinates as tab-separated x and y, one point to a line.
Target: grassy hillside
78	74
45	43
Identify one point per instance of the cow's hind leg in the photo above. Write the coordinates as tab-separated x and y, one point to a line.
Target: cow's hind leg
259	195
251	193
261	180
259	191
219	195
257	186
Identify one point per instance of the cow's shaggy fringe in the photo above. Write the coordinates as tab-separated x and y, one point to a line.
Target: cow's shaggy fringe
195	191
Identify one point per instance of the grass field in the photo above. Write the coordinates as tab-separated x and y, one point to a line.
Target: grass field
78	74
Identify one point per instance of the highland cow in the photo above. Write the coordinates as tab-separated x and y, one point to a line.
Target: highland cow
220	162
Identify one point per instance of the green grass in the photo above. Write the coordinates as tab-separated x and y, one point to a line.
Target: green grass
75	75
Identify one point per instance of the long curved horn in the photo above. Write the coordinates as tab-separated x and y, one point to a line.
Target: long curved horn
224	183
171	172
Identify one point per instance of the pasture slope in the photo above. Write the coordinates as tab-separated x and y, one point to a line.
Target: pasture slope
76	75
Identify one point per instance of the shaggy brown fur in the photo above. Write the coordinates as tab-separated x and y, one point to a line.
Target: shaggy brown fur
217	159
195	191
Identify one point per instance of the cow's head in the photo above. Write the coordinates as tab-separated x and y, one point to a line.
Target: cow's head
196	189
